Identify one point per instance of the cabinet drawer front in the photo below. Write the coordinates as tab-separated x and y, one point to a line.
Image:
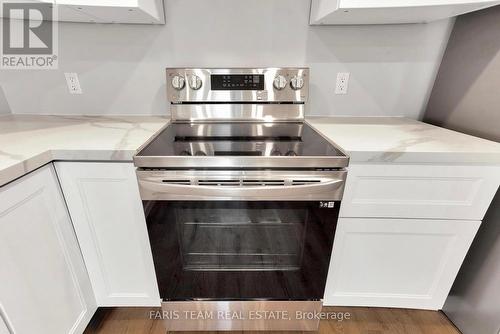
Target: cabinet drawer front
405	263
412	191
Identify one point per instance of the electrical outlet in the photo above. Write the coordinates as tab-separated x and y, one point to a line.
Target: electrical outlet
73	83
342	83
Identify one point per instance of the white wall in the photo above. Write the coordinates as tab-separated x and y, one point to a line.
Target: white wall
473	304
465	95
121	67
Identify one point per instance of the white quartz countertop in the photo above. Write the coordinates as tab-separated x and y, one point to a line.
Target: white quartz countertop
402	140
28	142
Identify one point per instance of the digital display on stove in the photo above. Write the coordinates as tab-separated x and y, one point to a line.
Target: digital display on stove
237	81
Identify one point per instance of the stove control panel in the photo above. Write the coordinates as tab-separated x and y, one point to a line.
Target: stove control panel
235	85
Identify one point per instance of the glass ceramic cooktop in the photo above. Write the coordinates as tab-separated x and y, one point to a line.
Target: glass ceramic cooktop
240	140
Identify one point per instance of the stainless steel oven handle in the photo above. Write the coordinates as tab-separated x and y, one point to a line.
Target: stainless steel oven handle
158	190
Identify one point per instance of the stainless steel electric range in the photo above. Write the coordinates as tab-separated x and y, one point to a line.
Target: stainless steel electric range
241	195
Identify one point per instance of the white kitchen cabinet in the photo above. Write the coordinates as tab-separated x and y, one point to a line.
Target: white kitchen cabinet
404	231
407	263
419	191
106	209
111	11
390	11
44	286
106	11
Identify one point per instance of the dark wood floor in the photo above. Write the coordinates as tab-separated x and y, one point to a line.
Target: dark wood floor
363	321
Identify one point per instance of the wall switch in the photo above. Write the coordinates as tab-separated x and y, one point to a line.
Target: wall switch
73	83
342	83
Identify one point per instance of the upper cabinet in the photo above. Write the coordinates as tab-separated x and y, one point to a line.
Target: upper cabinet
111	11
390	11
107	11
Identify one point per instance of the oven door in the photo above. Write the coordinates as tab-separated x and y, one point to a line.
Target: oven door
241	235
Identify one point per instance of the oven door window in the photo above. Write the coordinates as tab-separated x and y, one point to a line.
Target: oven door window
241	249
240	236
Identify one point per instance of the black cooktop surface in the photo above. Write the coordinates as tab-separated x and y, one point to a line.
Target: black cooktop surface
240	139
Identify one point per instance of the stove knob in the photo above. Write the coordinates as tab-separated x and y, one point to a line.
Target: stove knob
178	82
195	82
297	82
291	153
279	82
200	153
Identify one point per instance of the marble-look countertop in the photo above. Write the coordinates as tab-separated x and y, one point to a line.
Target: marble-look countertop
28	142
403	140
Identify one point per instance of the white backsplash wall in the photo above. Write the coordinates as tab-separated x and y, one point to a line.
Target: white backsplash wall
121	67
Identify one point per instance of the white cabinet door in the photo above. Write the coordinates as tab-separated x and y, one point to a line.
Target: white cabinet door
44	287
405	263
419	191
106	209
